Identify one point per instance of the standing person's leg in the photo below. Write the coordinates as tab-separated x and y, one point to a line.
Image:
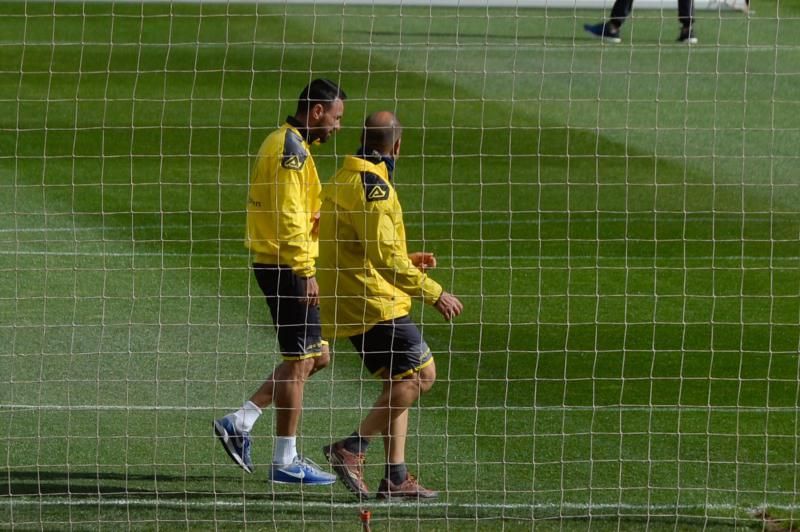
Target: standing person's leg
395	399
397	481
620	12
263	396
686	18
394	440
304	353
290	379
233	430
609	30
396	352
686	13
347	456
288	466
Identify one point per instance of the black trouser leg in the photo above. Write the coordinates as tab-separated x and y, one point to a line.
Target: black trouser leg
620	11
686	12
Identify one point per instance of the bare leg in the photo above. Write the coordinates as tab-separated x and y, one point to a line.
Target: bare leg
395	399
394	439
263	397
289	382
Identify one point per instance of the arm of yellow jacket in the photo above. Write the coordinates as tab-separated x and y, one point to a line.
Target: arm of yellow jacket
294	223
388	255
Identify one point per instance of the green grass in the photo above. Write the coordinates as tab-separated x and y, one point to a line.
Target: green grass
621	223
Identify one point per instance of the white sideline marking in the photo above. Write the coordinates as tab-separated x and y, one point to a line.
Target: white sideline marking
634	509
600	408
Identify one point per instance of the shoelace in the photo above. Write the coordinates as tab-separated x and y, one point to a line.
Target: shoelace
306	462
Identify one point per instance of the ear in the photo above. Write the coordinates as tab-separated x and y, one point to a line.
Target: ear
317	111
396	147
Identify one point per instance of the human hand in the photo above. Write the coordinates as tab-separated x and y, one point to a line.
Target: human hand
448	306
422	260
312	292
315	224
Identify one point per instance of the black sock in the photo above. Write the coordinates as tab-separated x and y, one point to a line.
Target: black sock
356	444
397	473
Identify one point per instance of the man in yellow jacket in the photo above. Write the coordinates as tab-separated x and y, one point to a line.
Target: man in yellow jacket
367	279
282	226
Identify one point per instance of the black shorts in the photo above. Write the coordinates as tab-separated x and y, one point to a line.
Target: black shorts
297	324
395	346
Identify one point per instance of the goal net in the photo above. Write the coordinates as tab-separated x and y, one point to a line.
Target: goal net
621	222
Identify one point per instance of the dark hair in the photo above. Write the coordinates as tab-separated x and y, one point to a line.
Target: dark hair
320	90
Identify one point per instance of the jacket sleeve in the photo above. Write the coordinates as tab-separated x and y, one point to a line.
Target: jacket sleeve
294	223
386	250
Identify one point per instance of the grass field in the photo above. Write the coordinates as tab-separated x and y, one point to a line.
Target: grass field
621	222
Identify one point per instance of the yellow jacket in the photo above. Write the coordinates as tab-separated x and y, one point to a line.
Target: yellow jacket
364	273
283	202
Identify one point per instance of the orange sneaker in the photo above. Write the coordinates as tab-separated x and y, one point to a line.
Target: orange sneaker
349	467
410	488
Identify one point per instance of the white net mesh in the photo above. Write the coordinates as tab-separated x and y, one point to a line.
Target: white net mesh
620	221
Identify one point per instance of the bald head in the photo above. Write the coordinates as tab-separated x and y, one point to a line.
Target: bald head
382	131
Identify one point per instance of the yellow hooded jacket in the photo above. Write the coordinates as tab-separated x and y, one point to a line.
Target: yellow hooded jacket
283	201
364	273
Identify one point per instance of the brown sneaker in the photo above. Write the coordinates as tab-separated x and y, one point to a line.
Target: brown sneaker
349	467
409	488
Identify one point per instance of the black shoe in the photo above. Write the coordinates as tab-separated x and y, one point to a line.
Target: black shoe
603	31
687	35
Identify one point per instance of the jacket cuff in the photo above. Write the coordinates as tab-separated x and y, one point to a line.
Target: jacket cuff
431	291
304	271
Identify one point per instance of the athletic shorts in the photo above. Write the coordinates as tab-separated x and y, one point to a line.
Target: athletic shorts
395	346
297	324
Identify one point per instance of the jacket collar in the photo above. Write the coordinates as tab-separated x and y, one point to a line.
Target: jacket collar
300	127
357	164
377	158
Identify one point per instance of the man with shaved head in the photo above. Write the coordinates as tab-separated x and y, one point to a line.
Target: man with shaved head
367	279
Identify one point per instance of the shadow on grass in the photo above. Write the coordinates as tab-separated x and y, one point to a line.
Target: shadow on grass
199	499
44	482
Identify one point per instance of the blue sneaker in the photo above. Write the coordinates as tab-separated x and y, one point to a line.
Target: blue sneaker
235	443
603	31
301	471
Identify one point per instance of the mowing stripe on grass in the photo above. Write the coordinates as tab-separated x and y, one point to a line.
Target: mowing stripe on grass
511	44
514	217
482	258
